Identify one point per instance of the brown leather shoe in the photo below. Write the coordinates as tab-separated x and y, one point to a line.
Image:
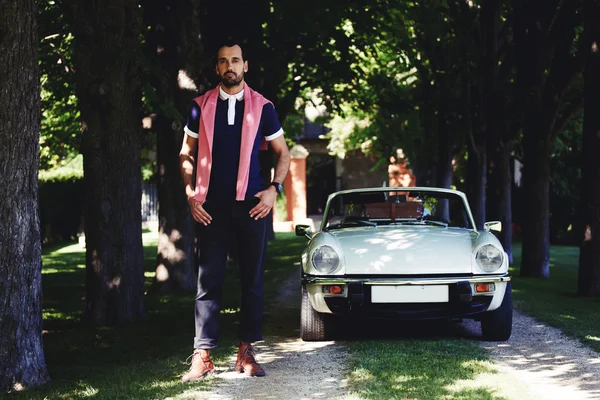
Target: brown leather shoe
246	363
201	367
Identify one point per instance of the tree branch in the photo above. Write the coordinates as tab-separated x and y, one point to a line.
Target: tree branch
565	115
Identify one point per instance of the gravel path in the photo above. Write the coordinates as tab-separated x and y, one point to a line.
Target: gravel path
296	370
538	362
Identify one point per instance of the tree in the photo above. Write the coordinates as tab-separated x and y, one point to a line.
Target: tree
499	113
22	361
174	62
107	60
589	257
545	35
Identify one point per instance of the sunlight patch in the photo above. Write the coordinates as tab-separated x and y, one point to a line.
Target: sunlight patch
478	366
362	375
163	384
50	270
230	311
402	379
88	391
150	238
594	338
53	314
73	248
568	317
18	387
485	379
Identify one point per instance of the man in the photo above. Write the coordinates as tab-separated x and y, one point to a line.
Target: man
226	128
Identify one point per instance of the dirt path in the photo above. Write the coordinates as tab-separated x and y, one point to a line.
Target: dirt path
538	362
296	370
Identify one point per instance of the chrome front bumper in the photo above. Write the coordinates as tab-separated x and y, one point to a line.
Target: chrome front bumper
335	280
356	293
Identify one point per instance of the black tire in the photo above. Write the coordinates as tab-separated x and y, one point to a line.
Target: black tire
497	325
314	326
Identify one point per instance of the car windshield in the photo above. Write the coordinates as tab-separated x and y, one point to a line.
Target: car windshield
375	208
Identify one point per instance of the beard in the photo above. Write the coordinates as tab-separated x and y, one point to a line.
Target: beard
232	81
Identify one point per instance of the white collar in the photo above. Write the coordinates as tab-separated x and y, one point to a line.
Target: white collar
225	96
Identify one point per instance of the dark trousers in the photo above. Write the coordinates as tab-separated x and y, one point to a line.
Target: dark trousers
214	243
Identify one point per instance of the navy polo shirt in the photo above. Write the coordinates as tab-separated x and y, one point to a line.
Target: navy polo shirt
226	149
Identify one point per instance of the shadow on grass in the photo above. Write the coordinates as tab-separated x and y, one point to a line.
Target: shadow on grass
143	360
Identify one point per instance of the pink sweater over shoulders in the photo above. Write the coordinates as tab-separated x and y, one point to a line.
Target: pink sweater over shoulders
253	105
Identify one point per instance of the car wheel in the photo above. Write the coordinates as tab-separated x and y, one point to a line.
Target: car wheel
497	325
314	326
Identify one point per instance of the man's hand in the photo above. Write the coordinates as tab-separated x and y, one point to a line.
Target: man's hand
198	212
267	199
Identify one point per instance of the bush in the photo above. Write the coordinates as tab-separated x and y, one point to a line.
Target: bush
60	205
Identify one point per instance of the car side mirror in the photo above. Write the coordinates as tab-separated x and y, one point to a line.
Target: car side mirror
303	230
493	226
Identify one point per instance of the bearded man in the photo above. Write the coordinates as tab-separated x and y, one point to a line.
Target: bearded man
226	128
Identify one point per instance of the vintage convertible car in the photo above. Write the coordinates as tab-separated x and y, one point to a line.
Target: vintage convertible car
403	253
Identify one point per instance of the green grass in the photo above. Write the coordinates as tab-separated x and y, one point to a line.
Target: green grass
143	360
554	301
409	368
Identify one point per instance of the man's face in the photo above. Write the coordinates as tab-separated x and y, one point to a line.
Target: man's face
230	66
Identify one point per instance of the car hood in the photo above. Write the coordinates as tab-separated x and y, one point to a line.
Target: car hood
410	250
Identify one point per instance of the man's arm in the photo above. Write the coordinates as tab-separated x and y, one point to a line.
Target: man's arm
282	166
186	164
267	196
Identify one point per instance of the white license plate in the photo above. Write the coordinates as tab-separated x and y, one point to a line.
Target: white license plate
409	294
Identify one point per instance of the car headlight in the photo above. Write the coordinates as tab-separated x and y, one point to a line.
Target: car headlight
489	258
325	259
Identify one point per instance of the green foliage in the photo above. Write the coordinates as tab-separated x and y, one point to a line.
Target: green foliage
70	171
61	209
60	199
60	125
280	208
293	126
60	129
60	132
407	62
565	171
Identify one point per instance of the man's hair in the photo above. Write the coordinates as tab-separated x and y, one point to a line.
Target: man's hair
230	42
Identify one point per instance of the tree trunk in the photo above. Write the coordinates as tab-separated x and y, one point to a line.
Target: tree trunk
494	105
106	55
536	190
171	48
544	36
22	361
477	179
589	257
444	169
500	188
175	266
444	149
